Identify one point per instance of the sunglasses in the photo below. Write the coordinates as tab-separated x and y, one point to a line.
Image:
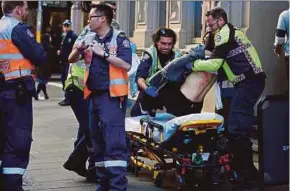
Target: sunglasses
211	25
94	16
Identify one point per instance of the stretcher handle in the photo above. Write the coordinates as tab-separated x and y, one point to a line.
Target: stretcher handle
152	124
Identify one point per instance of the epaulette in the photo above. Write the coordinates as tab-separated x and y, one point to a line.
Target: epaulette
122	35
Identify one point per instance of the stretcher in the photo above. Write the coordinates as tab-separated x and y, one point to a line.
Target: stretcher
187	144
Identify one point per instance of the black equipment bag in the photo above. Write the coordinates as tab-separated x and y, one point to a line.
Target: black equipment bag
273	140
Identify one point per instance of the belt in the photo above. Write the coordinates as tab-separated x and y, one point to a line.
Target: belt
99	92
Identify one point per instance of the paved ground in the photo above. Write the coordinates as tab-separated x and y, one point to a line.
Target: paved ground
53	136
54	133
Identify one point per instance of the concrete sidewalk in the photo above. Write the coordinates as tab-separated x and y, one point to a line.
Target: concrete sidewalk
54	131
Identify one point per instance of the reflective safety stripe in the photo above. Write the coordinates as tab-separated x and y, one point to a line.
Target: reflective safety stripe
239	50
11	56
17	73
14	171
112	163
118	81
227	84
279	40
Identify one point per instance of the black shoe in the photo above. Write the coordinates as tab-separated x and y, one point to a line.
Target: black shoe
91	178
64	103
91	175
82	171
46	97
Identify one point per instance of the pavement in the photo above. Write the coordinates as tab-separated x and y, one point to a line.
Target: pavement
54	132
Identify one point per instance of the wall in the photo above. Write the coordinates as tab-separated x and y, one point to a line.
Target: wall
263	21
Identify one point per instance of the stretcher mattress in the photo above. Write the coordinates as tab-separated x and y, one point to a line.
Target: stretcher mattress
169	122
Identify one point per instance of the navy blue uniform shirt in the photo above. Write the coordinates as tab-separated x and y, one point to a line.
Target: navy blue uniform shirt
98	78
146	64
25	41
66	45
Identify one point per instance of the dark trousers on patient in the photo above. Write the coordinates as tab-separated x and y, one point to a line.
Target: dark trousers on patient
169	97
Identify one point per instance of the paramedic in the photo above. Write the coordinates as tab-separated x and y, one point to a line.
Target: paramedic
106	87
19	53
153	59
243	68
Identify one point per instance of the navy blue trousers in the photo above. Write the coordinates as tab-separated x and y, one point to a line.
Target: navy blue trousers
241	116
107	125
16	137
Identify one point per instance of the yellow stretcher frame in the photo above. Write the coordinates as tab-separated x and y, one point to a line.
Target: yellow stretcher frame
198	126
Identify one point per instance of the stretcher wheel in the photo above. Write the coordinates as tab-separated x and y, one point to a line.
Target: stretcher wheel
158	181
180	182
132	168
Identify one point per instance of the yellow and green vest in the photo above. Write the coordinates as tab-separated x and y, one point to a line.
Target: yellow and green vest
76	74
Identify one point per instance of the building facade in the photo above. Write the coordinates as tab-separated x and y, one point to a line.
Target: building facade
257	18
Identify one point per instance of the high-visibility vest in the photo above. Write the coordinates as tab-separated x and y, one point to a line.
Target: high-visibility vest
76	75
155	61
12	63
118	85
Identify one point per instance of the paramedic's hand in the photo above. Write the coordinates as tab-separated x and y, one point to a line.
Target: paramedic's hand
197	52
81	47
189	66
151	91
278	50
98	49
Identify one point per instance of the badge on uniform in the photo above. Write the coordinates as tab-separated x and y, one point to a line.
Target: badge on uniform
218	38
29	33
126	43
69	40
4	65
122	35
145	57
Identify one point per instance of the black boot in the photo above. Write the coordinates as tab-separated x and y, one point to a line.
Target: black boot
243	164
70	165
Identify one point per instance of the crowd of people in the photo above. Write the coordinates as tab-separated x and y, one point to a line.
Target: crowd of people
95	67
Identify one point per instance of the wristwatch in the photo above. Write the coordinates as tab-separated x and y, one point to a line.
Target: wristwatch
106	55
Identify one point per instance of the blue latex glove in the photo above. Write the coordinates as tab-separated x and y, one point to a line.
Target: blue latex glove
151	91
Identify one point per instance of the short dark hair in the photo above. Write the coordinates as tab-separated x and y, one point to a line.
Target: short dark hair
8	6
105	10
165	32
113	3
217	13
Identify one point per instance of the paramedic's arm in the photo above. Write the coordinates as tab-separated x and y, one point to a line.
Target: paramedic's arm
219	53
280	34
79	46
25	41
75	55
143	71
214	62
210	65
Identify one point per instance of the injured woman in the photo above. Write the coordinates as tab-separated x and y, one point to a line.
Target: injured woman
180	91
